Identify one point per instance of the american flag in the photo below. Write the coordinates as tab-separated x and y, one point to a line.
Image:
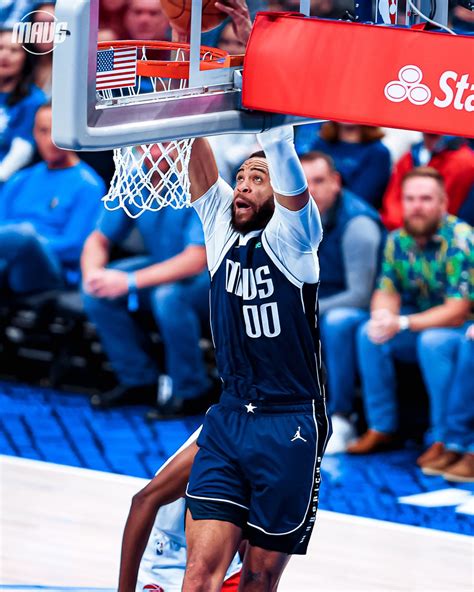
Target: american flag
116	68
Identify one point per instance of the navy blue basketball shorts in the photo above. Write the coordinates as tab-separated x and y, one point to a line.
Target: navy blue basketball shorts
258	467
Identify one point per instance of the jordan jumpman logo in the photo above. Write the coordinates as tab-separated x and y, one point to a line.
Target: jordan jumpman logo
298	435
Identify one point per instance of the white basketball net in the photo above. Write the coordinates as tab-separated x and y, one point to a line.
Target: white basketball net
150	177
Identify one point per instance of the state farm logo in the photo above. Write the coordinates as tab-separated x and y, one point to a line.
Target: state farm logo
408	86
454	89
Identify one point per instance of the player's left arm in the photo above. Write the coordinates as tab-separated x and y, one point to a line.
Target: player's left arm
167	486
294	231
286	173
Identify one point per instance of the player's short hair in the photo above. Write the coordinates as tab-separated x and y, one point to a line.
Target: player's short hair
258	154
425	172
317	155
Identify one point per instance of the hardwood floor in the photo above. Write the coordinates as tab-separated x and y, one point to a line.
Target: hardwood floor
62	526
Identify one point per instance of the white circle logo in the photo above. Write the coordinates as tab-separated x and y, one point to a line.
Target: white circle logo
408	86
31	31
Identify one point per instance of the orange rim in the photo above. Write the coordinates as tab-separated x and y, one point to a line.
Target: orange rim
212	58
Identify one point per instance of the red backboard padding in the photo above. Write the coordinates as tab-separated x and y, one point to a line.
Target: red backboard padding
360	73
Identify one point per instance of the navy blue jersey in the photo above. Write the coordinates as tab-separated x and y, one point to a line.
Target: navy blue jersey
264	311
265	327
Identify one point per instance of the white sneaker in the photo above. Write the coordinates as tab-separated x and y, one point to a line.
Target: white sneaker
343	432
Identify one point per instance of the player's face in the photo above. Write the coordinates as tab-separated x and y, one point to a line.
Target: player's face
324	184
12	57
253	204
424	204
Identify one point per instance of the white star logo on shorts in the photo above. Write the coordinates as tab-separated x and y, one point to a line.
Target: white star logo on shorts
250	408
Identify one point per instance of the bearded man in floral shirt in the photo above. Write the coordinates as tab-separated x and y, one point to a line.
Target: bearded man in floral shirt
426	285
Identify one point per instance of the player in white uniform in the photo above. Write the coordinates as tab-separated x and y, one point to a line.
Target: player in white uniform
164	560
160	508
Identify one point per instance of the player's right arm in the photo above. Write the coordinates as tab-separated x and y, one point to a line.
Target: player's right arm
212	198
203	173
167	486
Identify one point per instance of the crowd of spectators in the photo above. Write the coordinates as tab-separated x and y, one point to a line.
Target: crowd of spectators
47	210
170	278
397	274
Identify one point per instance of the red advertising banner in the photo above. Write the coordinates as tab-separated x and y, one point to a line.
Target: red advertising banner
367	74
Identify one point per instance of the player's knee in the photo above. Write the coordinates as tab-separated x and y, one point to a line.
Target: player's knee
201	575
260	579
262	570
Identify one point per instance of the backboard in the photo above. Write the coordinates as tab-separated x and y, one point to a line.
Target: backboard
208	103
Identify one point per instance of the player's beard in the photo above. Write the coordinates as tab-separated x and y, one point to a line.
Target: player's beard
421	227
259	219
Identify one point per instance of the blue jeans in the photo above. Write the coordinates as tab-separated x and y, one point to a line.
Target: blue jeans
377	368
27	264
338	335
179	310
447	362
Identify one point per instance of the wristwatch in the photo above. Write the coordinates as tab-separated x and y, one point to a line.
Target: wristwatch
404	322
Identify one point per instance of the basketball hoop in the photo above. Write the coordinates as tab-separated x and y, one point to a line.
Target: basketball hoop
152	176
163	61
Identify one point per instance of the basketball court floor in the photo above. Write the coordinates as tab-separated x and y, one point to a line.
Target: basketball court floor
61	519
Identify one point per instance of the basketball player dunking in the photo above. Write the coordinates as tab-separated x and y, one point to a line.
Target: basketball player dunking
257	472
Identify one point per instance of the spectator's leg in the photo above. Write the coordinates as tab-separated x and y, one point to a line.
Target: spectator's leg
437	355
338	335
125	344
460	418
460	413
377	369
28	264
180	310
447	370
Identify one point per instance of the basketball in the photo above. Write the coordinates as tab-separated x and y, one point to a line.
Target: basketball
179	13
